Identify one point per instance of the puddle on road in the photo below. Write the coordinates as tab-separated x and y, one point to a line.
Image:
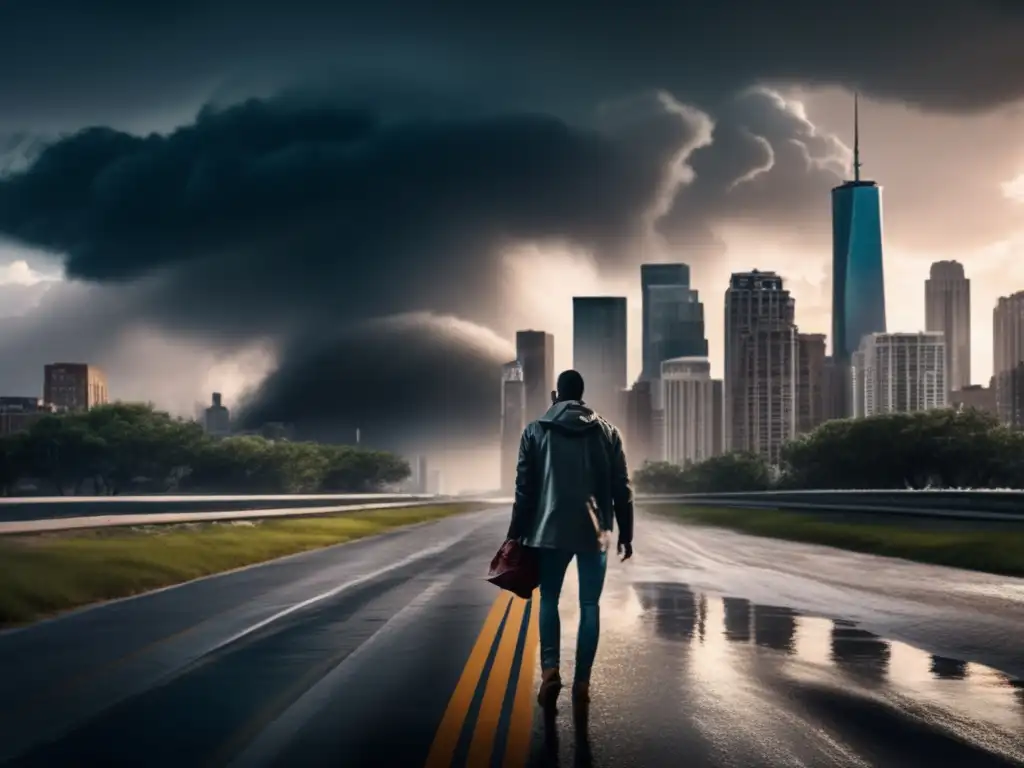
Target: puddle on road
728	629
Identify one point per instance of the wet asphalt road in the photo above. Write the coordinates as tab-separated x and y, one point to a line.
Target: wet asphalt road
717	650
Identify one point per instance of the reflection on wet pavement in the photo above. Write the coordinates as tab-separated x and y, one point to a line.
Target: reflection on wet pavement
767	685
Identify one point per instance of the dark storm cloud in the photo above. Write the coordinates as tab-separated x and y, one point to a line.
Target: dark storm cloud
323	211
65	58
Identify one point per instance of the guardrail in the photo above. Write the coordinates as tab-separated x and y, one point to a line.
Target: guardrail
996	505
52	524
50	507
60	513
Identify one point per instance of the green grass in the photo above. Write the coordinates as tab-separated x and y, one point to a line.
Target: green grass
44	574
992	551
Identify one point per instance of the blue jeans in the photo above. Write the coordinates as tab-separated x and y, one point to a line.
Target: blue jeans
591	567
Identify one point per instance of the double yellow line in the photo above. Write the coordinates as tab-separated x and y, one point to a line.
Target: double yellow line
485	729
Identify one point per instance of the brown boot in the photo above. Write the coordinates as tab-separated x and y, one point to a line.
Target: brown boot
550	687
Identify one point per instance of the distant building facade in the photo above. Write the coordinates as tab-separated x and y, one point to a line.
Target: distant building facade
692	425
599	350
1008	359
947	306
74	386
900	373
975	396
535	351
513	421
811	382
217	418
18	414
638	424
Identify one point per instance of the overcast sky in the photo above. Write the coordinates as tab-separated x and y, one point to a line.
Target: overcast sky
262	185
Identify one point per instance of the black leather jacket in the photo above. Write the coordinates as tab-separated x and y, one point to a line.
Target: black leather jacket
565	457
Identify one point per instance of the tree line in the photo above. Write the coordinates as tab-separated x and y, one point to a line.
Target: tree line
940	448
113	449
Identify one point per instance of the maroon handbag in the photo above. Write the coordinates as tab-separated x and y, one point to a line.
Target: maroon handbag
516	569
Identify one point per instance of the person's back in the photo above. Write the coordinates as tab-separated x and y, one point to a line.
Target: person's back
572	485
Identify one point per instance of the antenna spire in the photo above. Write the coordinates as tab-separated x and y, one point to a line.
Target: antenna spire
856	138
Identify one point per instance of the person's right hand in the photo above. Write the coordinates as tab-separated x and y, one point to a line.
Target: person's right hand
625	551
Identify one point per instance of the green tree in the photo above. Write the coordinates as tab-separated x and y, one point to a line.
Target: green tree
729	473
355	470
12	461
142	445
60	450
660	477
939	448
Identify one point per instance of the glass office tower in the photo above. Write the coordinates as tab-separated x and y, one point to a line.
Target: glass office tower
858	279
858	275
599	350
673	317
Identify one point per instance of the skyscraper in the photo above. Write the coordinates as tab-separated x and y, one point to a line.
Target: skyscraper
760	364
673	317
599	350
947	308
691	422
900	373
858	279
535	351
1008	358
513	421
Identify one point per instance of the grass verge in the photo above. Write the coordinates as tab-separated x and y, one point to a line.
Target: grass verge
992	551
44	574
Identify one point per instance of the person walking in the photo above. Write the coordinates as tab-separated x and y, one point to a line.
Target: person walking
572	485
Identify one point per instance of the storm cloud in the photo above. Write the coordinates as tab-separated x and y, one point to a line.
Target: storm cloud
131	59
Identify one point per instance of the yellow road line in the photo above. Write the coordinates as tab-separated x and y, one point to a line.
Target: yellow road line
486	729
442	751
520	727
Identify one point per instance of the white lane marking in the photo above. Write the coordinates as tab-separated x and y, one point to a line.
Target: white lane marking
272	741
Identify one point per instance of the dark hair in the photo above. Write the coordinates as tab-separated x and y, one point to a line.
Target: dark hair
569	386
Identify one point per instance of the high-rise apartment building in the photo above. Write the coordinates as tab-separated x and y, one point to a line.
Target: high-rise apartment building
513	421
1008	358
535	351
811	382
900	373
74	386
599	350
760	364
692	425
672	317
858	276
947	308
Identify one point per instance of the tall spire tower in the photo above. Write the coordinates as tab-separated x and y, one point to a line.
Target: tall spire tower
856	138
858	272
